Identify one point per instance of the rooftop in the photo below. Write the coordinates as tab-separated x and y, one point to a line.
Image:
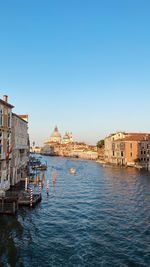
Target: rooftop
6	103
135	137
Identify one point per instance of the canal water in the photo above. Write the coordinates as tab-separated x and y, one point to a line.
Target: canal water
98	217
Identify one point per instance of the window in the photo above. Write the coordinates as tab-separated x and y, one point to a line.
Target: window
0	147
113	153
9	121
131	154
141	152
131	145
1	116
7	145
121	153
121	146
113	146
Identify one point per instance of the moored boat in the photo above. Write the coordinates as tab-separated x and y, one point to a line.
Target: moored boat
42	167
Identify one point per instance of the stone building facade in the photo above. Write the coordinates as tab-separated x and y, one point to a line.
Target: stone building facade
14	146
109	154
20	152
5	142
129	149
55	144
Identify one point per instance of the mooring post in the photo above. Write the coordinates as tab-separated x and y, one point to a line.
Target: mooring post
26	184
14	207
31	197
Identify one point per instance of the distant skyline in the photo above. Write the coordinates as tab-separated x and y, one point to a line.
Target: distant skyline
82	65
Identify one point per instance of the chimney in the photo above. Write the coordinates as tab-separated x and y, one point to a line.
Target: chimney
5	98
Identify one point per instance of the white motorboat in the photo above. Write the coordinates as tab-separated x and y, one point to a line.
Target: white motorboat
73	171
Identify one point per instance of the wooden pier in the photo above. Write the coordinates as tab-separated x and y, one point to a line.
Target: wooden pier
20	195
24	199
10	204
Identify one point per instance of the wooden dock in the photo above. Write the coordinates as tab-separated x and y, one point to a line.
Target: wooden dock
10	204
17	196
24	199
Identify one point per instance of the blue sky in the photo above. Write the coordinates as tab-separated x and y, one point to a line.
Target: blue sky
83	65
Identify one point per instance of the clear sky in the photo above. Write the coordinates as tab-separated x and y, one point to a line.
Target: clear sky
83	65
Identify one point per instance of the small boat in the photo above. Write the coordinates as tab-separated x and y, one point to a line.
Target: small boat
41	167
73	171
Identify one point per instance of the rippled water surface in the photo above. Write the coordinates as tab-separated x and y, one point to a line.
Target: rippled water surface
99	217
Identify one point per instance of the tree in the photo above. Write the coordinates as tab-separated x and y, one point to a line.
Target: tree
100	143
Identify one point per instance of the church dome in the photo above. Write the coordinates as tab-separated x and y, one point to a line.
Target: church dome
56	133
55	136
66	136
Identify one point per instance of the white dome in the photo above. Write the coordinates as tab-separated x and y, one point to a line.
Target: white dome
56	133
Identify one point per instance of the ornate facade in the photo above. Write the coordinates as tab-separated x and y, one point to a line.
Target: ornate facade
56	138
20	152
66	147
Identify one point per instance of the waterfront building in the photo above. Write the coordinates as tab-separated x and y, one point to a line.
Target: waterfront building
56	138
46	150
54	145
35	149
20	149
57	146
109	158
79	150
145	152
50	149
51	145
89	155
5	143
129	149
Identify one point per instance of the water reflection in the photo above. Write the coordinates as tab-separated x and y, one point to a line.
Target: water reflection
10	230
